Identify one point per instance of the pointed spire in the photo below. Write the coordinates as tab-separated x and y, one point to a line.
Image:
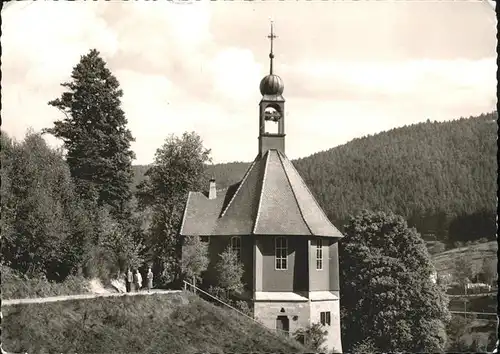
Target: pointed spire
272	36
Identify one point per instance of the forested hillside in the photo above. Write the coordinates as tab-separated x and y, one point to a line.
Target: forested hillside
440	175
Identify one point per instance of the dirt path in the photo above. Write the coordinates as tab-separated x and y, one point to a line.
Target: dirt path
40	300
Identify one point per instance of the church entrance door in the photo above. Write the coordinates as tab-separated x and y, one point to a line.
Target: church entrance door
283	325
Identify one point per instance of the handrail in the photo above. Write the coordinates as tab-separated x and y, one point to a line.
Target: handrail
222	302
231	307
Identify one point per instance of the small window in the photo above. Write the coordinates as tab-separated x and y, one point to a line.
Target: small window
319	254
325	318
281	250
236	246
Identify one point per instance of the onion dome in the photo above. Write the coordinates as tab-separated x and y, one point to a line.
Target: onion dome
271	85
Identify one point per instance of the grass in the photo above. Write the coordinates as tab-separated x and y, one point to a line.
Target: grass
16	286
444	261
174	323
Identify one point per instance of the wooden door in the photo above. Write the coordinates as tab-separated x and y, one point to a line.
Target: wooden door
283	325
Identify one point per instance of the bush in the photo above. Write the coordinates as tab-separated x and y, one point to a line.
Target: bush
244	307
17	286
230	271
225	296
366	346
437	247
219	293
312	337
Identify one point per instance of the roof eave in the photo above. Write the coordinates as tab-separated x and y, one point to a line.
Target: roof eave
181	231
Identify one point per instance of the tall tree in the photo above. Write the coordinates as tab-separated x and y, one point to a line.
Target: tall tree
388	296
178	168
43	229
94	133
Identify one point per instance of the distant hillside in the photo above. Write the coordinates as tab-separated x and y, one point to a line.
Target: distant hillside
440	175
445	261
176	323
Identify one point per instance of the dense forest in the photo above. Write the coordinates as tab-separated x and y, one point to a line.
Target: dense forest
441	176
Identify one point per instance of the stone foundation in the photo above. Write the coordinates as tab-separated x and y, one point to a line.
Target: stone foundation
300	315
297	313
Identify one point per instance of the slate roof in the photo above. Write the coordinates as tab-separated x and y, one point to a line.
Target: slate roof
271	199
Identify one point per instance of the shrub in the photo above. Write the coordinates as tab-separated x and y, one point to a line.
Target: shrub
437	247
312	337
244	307
219	293
17	286
366	346
230	271
194	259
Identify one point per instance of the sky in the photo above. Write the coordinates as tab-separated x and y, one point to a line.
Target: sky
349	68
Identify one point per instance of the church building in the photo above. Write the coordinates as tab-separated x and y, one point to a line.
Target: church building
284	240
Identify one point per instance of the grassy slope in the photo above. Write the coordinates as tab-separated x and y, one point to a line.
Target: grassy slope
444	261
151	324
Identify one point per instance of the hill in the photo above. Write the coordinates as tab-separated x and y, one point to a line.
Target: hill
176	323
445	261
440	175
476	332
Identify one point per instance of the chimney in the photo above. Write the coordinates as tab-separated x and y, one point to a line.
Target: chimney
212	192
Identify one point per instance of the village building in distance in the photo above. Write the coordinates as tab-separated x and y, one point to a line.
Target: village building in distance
283	238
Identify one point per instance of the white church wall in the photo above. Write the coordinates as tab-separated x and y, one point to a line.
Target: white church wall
333	340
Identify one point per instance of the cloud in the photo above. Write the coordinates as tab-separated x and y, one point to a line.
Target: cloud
198	67
344	100
392	80
236	74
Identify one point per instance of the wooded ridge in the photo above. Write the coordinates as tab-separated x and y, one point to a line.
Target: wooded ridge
441	176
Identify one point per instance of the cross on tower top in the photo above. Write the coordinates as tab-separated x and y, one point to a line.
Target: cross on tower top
271	36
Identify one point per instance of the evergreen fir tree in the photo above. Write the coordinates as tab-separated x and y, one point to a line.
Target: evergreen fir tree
94	133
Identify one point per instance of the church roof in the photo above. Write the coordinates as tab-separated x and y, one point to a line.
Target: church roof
271	199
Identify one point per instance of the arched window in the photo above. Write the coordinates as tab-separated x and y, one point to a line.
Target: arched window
236	246
281	252
319	254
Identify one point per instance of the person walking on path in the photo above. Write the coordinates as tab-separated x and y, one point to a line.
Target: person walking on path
138	280
129	279
150	279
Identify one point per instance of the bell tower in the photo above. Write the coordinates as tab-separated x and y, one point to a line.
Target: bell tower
271	109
